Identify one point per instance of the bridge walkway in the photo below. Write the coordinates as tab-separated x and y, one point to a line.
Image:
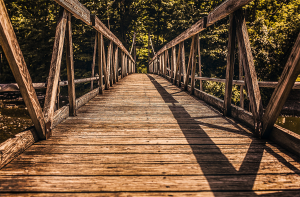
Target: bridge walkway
146	137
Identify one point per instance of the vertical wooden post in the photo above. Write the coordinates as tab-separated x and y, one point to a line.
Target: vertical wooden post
241	71
174	64
122	64
13	53
200	65
100	61
166	56
134	56
54	72
183	62
282	90
189	64
177	65
111	77
250	73
108	65
104	66
230	65
193	72
116	64
94	61
70	68
148	52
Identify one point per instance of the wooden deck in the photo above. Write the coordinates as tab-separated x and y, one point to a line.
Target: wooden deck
145	137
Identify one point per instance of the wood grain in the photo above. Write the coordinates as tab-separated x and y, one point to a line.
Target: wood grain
283	89
77	9
14	56
54	73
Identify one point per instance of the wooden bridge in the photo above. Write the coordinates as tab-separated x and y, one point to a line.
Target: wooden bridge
150	134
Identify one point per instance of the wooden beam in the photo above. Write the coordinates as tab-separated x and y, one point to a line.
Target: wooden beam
54	72
116	64
200	64
14	56
193	72
225	9
173	63
70	67
100	61
94	61
104	64
186	82
230	65
110	64
77	9
166	56
250	73
183	66
101	28
282	91
177	75
241	71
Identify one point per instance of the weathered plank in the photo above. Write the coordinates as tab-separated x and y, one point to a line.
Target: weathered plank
70	68
230	65
186	81
225	9
283	89
249	68
193	70
77	9
14	56
54	73
94	61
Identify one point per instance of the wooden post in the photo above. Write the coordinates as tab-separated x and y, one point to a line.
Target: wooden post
134	56
230	65
250	73
173	63
200	65
122	64
53	78
177	65
241	71
148	51
282	90
116	64
193	72
109	55
183	62
186	83
166	55
70	68
100	61
94	61
13	53
104	66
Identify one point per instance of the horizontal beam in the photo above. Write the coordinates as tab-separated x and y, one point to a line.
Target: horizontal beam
101	28
78	10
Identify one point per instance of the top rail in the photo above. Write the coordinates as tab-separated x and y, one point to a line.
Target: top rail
220	12
79	11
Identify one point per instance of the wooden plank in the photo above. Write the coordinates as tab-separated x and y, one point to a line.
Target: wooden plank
108	66
111	67
225	9
13	147
283	89
186	81
241	74
70	68
100	61
173	72
14	56
148	183
101	28
177	75
193	70
249	68
104	65
230	65
54	73
94	61
77	9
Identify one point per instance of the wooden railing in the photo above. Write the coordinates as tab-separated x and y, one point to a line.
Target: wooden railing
109	66
262	120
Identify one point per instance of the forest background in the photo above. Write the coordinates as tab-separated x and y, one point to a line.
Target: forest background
273	27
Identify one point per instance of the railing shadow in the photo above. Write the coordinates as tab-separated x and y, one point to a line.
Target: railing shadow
225	178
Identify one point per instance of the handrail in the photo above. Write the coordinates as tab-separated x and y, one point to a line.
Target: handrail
108	65
263	121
